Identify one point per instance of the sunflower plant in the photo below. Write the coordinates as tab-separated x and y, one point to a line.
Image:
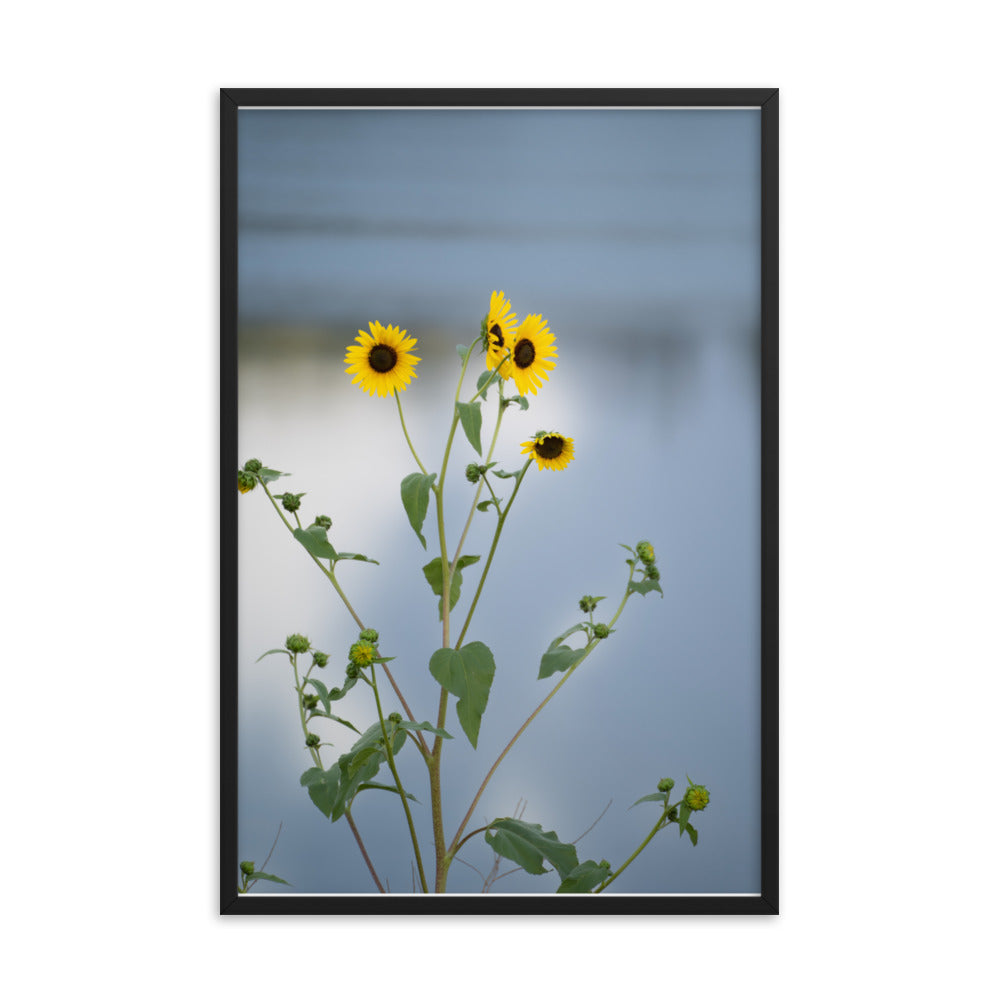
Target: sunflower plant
382	363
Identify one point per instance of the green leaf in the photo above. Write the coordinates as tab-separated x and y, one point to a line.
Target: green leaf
520	400
628	548
655	797
385	788
432	571
269	475
323	787
500	474
487	376
466	673
356	557
415	490
336	718
324	695
484	505
267	878
526	844
682	818
426	727
644	587
314	541
693	834
584	877
463	351
337	693
559	657
471	415
270	651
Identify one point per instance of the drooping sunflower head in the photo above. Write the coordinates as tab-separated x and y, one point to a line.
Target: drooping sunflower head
500	324
381	360
533	354
550	450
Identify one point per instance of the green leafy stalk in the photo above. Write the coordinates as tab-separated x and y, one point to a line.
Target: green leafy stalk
434	762
331	576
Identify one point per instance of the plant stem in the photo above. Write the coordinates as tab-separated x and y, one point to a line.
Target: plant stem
489	560
390	757
434	764
652	833
413	451
364	853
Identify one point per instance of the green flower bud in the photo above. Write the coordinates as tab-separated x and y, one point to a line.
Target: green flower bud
310	701
601	631
324	522
473	472
291	501
312	740
245	482
672	814
395	718
369	635
696	797
652	573
252	465
297	643
320	659
645	552
604	863
353	671
665	784
246	867
362	654
587	603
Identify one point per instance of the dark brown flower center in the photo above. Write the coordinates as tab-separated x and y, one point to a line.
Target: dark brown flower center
497	334
524	353
549	447
382	358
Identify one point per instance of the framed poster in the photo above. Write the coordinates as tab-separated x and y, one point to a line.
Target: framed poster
518	347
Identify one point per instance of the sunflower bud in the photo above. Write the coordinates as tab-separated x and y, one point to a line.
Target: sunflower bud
353	671
297	643
601	631
320	659
652	573
245	482
252	465
324	522
395	718
312	740
369	635
291	501
247	867
696	797
472	472
362	654
646	553
587	603
310	701
665	784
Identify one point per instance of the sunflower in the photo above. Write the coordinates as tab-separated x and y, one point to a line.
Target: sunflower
550	450
381	360
532	352
499	333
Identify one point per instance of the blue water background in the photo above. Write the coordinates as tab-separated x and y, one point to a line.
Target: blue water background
636	234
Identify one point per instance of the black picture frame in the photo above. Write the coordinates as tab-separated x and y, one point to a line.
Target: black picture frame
766	99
